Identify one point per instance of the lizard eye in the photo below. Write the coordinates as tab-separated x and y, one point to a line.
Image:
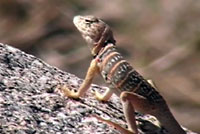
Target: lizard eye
91	20
88	21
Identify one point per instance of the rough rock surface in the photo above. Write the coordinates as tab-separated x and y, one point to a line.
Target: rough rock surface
29	103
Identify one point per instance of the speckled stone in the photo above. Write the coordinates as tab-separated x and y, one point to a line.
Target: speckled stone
29	104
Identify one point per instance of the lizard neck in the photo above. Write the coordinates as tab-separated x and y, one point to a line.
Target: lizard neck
168	121
106	38
99	47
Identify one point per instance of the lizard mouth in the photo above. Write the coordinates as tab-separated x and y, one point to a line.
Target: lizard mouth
77	22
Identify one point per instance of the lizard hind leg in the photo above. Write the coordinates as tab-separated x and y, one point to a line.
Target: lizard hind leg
137	102
129	112
130	102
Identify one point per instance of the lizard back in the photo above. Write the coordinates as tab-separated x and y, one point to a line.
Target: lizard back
118	73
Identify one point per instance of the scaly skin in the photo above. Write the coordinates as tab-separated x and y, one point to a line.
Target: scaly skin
134	91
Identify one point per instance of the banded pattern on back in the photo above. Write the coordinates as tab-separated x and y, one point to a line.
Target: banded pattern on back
118	73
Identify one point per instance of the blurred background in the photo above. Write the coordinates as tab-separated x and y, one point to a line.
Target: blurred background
160	38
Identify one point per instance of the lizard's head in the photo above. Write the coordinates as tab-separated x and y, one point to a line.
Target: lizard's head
93	30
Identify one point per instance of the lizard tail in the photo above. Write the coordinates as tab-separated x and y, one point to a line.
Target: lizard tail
115	125
168	121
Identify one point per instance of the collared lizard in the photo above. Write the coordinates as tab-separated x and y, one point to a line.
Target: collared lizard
135	92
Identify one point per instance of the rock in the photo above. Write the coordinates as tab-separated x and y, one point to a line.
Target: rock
29	104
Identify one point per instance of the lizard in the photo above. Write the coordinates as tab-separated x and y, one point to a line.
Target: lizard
135	92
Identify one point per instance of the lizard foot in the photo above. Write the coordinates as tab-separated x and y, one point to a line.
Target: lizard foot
67	92
98	96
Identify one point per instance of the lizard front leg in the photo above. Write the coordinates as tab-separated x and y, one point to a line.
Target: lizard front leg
93	69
